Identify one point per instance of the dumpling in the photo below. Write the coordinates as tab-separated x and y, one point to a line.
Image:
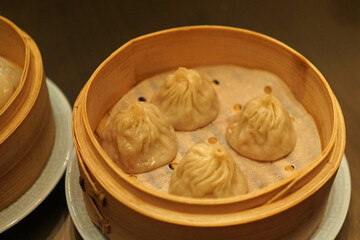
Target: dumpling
9	80
139	138
6	90
207	171
187	99
262	130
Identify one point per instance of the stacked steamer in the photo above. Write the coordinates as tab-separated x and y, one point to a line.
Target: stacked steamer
124	209
27	127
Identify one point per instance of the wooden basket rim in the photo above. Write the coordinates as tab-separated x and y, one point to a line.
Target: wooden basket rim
26	63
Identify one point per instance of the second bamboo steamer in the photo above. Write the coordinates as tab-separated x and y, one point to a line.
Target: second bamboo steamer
27	127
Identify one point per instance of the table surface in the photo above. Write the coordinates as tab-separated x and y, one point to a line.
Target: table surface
74	37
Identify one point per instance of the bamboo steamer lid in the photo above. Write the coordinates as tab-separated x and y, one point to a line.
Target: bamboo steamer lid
27	127
123	208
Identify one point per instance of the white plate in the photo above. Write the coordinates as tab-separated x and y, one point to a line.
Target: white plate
335	214
63	150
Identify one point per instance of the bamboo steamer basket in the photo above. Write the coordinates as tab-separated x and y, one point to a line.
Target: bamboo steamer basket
27	127
124	209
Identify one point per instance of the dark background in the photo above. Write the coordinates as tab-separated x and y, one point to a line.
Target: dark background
74	37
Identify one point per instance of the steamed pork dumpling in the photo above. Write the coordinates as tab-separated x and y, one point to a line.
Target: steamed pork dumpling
207	171
139	138
9	81
6	90
262	130
187	99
